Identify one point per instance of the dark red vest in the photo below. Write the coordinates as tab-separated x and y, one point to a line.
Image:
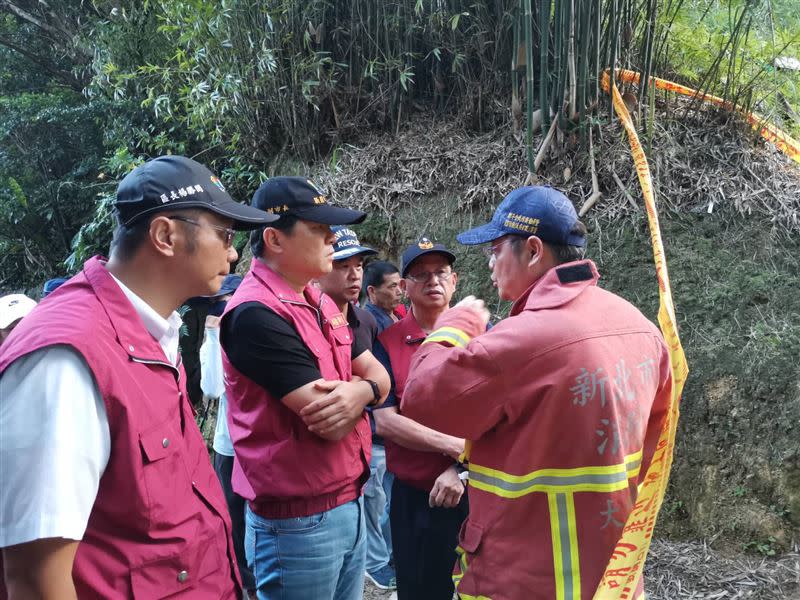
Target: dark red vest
285	470
159	526
414	467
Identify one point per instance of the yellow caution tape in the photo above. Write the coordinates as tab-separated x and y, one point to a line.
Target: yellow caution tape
768	131
624	570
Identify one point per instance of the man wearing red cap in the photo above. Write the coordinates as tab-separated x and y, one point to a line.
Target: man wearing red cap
562	404
107	488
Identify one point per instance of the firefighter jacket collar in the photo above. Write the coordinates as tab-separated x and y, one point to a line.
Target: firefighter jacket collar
557	287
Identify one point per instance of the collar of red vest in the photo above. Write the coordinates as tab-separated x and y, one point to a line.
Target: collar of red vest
557	286
131	332
278	285
409	327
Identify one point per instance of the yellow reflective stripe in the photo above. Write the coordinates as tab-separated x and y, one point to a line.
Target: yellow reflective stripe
564	535
468	597
573	547
451	335
606	478
555	536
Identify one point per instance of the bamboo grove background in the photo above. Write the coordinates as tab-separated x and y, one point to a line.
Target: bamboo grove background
89	88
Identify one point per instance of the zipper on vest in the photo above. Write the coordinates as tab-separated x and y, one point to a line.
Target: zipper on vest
146	361
306	304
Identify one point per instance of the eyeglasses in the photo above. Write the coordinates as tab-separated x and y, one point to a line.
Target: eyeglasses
424	276
228	233
491	250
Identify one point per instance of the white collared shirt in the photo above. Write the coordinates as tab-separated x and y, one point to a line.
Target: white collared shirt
54	436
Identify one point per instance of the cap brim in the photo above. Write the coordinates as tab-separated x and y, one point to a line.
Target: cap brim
450	256
244	217
15	314
480	235
329	215
354	251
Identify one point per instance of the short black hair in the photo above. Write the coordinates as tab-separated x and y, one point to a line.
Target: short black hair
128	238
285	224
563	253
375	272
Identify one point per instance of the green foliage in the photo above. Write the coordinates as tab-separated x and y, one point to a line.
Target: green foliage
764	547
729	49
48	159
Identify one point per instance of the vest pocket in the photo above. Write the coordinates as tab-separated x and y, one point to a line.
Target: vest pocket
176	574
166	480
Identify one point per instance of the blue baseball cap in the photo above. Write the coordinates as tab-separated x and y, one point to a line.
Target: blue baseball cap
532	210
422	247
229	285
347	244
51	285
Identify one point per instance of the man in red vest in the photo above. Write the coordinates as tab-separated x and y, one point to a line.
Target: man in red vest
428	500
297	384
107	488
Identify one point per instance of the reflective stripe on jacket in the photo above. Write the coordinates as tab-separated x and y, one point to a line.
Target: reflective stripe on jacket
563	401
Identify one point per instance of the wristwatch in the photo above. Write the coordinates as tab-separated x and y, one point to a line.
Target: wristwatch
376	392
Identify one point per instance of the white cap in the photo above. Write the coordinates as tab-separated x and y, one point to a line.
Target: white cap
13	307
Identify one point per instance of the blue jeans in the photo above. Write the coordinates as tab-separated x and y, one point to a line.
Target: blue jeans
318	557
377	495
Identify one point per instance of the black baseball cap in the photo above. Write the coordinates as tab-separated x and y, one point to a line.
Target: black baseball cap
302	198
176	182
422	247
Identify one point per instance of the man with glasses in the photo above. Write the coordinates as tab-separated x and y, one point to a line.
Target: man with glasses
107	488
297	383
563	402
428	500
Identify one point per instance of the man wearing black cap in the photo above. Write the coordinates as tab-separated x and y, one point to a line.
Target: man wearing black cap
298	383
563	402
107	487
343	285
428	501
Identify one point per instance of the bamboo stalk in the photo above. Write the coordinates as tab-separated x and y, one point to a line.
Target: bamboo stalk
516	106
545	145
544	59
613	39
530	87
573	76
596	195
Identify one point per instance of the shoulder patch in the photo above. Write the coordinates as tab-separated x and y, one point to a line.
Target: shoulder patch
574	273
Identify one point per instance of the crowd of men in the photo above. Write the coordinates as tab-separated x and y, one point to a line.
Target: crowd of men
418	446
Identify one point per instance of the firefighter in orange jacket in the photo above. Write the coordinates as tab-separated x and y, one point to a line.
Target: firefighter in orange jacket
564	401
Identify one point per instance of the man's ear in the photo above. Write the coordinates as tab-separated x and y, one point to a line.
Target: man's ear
534	248
402	285
164	234
272	239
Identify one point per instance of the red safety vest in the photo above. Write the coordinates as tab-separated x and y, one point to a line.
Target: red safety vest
414	467
159	526
281	467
